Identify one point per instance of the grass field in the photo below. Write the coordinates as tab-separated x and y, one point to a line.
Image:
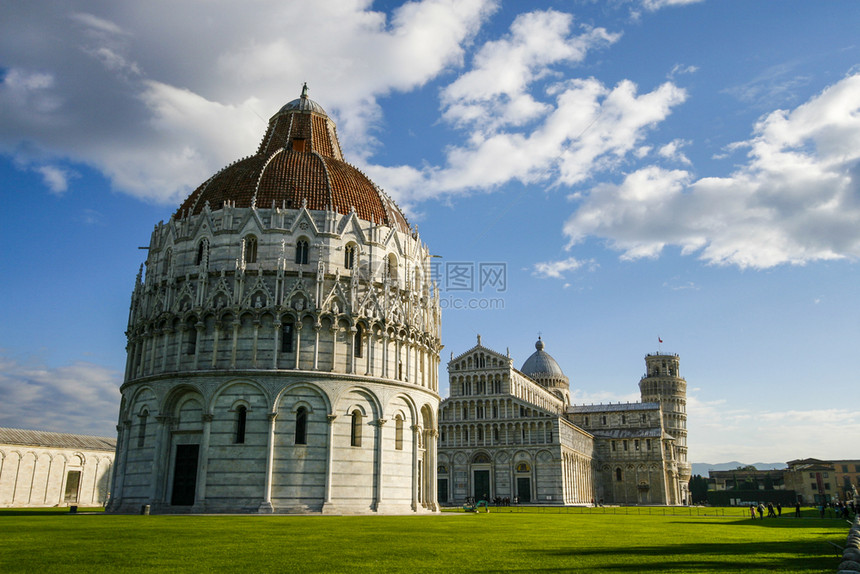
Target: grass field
505	540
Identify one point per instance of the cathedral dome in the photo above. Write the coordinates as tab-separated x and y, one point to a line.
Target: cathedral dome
298	164
541	364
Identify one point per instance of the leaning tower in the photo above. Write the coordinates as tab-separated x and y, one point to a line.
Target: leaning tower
663	384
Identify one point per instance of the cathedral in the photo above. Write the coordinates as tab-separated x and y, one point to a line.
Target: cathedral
511	434
283	343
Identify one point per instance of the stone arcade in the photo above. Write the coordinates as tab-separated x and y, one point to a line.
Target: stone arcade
283	343
508	433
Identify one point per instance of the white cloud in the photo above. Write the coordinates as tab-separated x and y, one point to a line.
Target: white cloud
158	105
557	269
55	178
794	201
719	431
672	151
494	92
653	5
80	398
588	128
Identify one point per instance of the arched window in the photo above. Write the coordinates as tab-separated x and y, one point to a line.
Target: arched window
392	267
398	432
202	251
302	252
358	340
168	257
241	418
250	249
618	474
302	426
191	343
141	429
355	431
349	256
287	338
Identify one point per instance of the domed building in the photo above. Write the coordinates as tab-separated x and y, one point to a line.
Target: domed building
283	342
512	435
544	370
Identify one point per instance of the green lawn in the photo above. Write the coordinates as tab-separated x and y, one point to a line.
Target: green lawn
576	540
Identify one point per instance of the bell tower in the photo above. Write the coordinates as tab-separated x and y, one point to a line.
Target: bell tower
663	384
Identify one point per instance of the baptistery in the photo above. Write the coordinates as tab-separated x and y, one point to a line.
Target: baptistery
283	342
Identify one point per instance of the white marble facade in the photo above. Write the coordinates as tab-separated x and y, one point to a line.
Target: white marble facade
508	433
283	343
48	469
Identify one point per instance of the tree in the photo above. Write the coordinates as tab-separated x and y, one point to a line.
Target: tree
698	488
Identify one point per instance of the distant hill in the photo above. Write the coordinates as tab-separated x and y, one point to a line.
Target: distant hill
702	468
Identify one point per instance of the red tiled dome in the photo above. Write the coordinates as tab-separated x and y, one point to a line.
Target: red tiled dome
299	162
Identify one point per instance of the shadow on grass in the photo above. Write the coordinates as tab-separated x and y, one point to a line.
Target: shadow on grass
774	522
711	557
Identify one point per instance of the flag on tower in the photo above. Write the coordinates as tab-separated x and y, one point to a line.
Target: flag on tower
659	340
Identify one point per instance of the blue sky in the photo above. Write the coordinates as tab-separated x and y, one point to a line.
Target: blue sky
638	169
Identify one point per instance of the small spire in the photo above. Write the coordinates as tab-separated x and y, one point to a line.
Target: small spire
305	91
479	340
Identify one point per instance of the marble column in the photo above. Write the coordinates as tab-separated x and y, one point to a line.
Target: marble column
380	467
203	465
266	506
119	469
327	503
160	453
415	430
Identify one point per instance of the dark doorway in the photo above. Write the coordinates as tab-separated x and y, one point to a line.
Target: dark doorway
524	489
482	484
442	490
185	474
73	483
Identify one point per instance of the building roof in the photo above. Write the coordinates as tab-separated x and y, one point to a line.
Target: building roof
56	439
630	433
541	364
609	407
298	164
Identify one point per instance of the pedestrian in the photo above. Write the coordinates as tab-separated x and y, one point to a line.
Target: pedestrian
778	509
770	512
760	511
797	509
752	511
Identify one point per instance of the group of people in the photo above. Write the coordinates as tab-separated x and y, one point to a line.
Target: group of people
772	512
842	509
497	501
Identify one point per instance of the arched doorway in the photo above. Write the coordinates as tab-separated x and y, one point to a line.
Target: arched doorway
524	482
481	480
